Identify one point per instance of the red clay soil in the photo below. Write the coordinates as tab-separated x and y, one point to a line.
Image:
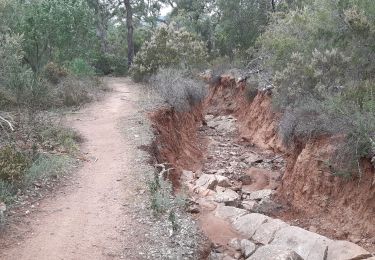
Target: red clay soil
336	207
313	197
177	141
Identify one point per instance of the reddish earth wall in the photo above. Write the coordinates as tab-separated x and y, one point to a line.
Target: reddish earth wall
177	142
336	206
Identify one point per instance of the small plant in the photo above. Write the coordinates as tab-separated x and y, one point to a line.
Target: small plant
178	89
54	73
13	164
47	166
7	192
168	47
80	67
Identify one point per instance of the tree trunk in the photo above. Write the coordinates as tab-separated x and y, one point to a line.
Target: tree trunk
129	25
273	5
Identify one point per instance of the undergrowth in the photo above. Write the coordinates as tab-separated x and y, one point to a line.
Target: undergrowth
163	202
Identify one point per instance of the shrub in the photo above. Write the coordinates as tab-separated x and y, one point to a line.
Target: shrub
178	89
107	64
7	192
47	166
13	164
80	67
54	73
168	47
322	57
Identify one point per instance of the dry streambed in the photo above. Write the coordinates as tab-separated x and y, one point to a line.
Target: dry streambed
233	202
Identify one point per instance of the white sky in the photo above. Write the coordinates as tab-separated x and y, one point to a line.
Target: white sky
165	10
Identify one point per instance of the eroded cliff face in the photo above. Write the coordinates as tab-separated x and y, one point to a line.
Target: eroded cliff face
177	142
311	195
344	208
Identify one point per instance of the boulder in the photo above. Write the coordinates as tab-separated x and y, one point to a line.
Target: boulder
249	223
266	206
228	197
261	194
223	181
229	213
247	247
206	181
308	245
271	252
249	205
187	176
345	250
265	233
235	243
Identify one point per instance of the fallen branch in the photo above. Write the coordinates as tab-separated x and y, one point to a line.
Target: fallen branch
8	123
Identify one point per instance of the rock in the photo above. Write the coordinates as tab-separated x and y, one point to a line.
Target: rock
265	233
193	209
237	255
308	245
247	247
344	250
221	171
266	206
223	181
252	158
245	179
271	252
248	224
206	182
235	243
229	213
216	256
228	197
250	205
261	194
207	203
187	176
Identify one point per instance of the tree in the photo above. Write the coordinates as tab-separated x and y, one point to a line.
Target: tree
129	25
57	30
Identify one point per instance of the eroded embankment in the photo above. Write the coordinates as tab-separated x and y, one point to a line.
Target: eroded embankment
335	206
310	196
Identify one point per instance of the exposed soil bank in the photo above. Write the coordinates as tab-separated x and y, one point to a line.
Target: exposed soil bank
337	207
312	196
177	141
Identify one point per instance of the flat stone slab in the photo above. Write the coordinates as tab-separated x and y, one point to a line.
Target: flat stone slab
206	181
227	196
229	213
345	250
308	245
266	232
271	252
247	247
248	224
261	194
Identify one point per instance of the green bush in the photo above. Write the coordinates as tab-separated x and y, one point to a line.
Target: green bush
168	47
13	164
54	73
111	64
322	58
80	67
47	166
178	88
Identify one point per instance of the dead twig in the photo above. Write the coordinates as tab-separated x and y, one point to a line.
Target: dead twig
8	123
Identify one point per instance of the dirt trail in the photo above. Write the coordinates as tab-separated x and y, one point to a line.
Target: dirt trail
87	221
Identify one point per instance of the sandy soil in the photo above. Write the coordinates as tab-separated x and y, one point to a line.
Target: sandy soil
89	219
